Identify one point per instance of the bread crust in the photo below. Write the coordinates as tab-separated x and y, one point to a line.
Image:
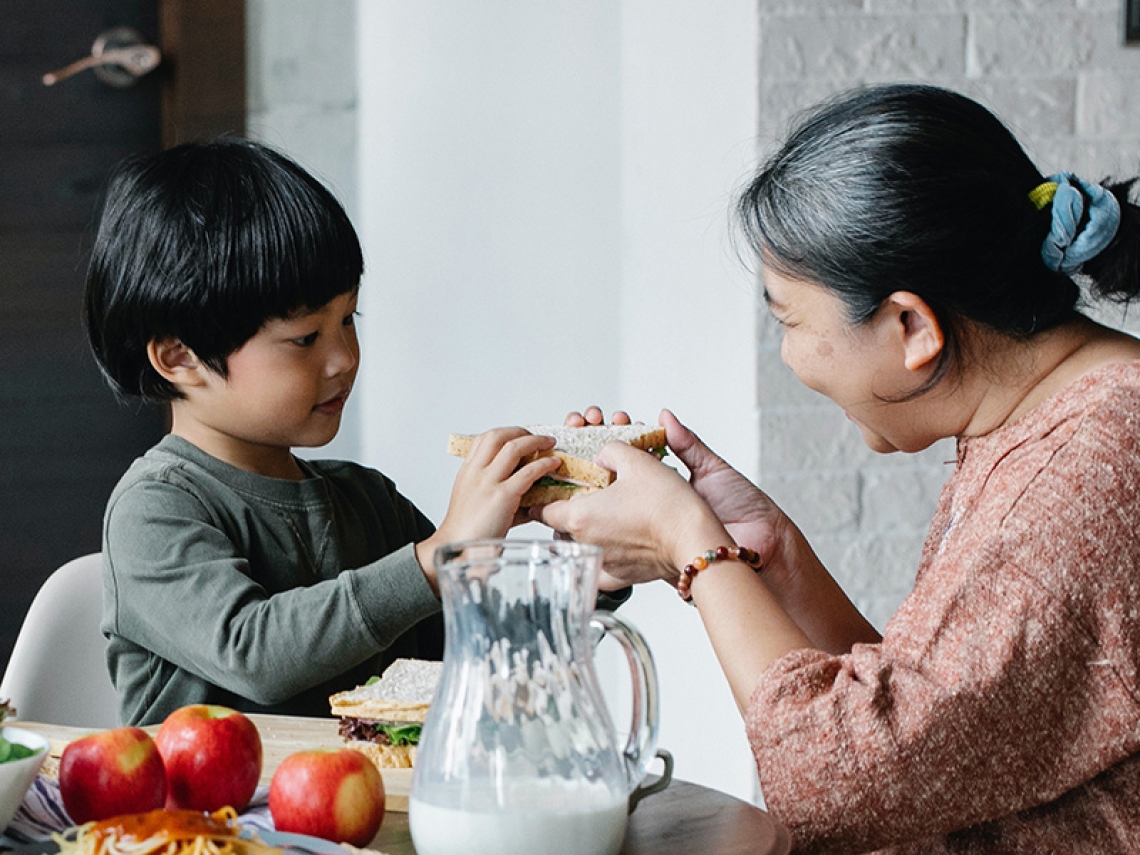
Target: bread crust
344	704
386	756
547	493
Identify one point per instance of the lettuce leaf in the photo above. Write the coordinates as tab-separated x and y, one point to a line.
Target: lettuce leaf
14	750
547	481
401	734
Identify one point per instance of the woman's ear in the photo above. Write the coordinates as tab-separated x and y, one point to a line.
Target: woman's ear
921	333
174	361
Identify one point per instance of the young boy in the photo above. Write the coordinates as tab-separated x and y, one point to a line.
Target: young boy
224	282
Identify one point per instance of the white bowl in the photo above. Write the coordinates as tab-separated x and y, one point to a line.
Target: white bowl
16	776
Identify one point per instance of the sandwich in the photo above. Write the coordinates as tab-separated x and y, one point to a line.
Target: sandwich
576	447
383	718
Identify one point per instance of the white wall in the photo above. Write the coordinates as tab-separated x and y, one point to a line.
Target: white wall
489	168
543	191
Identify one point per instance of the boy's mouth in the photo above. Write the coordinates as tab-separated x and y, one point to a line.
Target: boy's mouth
332	405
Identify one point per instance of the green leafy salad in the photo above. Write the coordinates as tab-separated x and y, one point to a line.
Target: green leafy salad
12	750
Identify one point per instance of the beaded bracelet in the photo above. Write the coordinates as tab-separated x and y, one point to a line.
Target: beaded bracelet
721	553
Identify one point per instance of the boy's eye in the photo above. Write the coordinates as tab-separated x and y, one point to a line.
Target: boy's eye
305	340
350	319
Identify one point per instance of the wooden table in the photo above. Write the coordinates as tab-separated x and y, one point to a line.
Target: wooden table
683	819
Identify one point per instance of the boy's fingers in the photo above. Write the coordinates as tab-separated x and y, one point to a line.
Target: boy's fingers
524	478
488	445
515	453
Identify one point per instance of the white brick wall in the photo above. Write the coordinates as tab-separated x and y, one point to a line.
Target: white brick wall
1056	71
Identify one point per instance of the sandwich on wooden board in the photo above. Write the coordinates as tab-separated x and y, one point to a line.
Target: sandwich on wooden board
383	718
576	447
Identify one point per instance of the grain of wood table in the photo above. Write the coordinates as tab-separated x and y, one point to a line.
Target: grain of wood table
684	819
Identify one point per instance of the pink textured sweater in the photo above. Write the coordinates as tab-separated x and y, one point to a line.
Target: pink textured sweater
1001	711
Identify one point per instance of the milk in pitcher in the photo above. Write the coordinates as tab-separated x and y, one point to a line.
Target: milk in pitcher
549	830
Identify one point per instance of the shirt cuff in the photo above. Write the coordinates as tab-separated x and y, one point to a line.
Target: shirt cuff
393	594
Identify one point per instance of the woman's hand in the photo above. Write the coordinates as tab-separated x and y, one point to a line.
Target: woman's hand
649	521
746	512
488	488
595	416
801	584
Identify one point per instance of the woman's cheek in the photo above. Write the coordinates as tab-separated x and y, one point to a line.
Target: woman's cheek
790	354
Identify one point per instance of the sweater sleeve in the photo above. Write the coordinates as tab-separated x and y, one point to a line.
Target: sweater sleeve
1006	679
178	586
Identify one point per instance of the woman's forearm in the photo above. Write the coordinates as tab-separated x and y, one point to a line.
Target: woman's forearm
813	599
753	618
746	626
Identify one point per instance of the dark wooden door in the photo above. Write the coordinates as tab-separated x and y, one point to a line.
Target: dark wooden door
64	440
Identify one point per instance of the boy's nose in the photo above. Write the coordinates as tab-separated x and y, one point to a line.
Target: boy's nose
345	355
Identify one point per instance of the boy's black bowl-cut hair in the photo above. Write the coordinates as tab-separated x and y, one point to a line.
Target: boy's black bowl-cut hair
206	242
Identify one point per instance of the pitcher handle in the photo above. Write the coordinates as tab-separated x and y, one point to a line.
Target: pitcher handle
641	746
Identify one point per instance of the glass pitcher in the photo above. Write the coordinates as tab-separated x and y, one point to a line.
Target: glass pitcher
518	753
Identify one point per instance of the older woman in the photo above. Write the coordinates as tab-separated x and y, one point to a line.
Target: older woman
922	270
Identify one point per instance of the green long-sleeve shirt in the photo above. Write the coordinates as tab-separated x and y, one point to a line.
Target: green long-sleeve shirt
262	594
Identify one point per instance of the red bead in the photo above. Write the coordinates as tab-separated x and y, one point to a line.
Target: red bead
722	553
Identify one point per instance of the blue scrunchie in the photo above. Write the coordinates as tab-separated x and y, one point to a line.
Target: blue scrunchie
1068	245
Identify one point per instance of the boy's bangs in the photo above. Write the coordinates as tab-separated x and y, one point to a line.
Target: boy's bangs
300	253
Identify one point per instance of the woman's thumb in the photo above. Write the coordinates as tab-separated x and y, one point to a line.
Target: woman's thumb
690	450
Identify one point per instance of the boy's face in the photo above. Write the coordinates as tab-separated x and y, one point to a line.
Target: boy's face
287	387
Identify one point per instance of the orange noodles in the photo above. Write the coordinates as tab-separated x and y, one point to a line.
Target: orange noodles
161	832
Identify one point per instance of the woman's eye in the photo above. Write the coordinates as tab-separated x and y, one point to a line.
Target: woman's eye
350	319
305	340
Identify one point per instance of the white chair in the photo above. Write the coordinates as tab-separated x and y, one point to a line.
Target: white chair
58	671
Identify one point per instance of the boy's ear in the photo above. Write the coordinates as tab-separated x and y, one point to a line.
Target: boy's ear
921	333
174	361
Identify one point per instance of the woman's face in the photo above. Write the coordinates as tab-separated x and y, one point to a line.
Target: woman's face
856	366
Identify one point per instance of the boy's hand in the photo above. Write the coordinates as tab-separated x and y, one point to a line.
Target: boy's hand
488	488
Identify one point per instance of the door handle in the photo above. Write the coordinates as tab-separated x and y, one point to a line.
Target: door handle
119	56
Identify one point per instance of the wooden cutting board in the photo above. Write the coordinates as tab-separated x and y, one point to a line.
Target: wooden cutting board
281	735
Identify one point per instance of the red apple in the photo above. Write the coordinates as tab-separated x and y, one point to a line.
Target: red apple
212	756
335	794
110	773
